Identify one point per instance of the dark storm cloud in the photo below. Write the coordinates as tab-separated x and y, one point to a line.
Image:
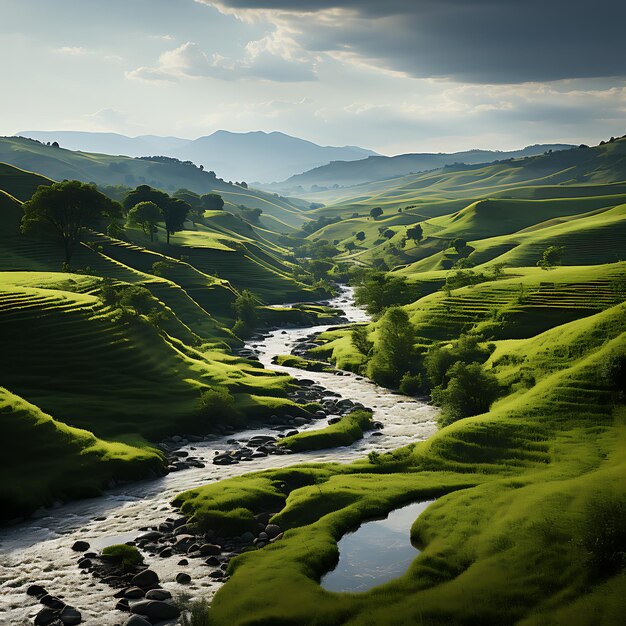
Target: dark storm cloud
480	41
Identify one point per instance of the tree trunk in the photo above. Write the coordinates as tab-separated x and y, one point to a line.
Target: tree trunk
168	236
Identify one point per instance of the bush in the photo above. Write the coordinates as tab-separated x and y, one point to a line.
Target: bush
604	535
615	375
128	556
217	403
471	391
411	384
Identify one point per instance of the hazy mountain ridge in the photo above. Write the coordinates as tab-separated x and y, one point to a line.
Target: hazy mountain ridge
347	174
253	156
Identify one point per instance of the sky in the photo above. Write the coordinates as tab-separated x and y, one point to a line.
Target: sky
394	76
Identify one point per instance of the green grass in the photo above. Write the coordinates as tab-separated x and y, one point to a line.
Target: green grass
128	556
46	460
509	543
290	360
346	431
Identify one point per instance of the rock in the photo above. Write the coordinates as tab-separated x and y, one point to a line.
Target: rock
52	602
84	563
155	610
45	616
210	549
182	578
123	605
136	620
158	594
71	616
263	536
213	561
134	593
217	574
183	562
80	546
247	537
36	590
165	552
147	578
151	535
272	530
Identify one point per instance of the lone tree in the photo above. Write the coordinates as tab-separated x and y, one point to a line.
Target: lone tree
360	236
65	209
415	233
393	352
146	215
552	256
459	245
212	202
175	213
376	212
193	200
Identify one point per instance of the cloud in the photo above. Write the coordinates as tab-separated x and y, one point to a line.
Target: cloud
75	51
269	59
478	41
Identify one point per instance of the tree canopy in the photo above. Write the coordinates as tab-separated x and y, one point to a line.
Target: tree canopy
212	202
146	215
65	209
376	212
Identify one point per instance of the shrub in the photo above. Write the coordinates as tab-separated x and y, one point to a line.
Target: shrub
471	391
604	534
128	556
615	375
411	384
218	403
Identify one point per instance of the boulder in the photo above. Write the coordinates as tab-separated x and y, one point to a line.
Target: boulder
136	620
155	610
134	593
146	578
272	530
52	602
158	594
123	605
209	549
182	578
80	546
45	616
70	616
36	590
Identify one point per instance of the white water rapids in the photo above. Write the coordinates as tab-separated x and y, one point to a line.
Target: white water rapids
39	549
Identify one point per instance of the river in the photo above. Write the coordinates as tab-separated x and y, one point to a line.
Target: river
39	549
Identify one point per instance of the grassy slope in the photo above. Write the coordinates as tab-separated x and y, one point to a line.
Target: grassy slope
113	365
103	169
82	463
507	544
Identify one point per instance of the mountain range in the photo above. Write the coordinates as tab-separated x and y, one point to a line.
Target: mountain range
374	168
252	157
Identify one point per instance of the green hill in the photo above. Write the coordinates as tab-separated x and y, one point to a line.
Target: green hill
160	172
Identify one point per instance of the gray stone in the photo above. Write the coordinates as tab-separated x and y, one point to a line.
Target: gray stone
272	530
71	616
45	616
158	594
147	578
155	610
136	620
36	590
80	546
52	602
210	549
133	593
182	578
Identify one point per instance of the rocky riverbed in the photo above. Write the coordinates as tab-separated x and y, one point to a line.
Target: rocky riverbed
39	550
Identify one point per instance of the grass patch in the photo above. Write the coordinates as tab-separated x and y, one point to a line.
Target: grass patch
347	430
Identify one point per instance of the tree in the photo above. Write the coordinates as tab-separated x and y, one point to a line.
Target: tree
415	233
552	256
459	245
193	200
349	246
65	209
393	352
376	212
146	215
388	233
378	291
174	214
245	307
145	193
471	391
360	236
360	341
212	202
137	298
